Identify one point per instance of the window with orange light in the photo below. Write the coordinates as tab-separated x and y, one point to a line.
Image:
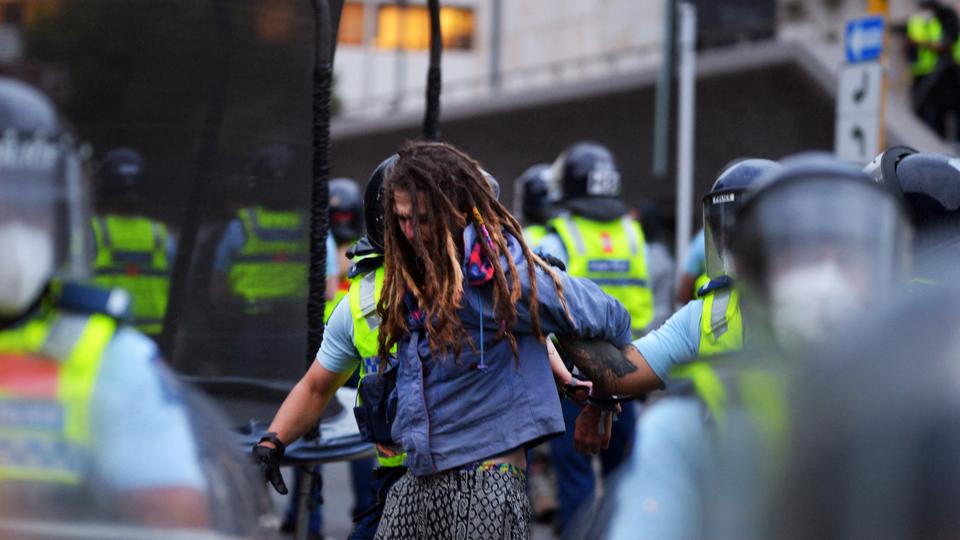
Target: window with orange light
351	24
408	27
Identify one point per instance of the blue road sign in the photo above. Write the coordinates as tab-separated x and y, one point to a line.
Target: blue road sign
864	39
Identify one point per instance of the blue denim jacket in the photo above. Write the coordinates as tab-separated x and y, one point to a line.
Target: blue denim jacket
450	413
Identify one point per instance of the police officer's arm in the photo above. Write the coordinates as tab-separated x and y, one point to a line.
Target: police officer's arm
621	372
305	404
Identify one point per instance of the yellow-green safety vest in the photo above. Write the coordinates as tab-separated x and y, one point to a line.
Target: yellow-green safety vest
331	304
925	28
702	281
364	294
272	265
534	234
48	370
132	255
721	325
612	254
761	392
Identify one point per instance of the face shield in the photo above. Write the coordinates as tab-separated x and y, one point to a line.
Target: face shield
719	209
43	216
814	253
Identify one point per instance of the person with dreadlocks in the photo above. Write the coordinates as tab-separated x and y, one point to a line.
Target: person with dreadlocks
467	304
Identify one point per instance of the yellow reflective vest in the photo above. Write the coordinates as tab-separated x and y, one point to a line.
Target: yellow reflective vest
272	265
132	255
48	370
533	234
721	324
364	294
925	28
612	254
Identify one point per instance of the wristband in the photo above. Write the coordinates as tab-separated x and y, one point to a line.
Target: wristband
272	437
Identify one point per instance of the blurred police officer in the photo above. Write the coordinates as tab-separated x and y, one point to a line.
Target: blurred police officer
349	345
346	226
802	279
934	51
133	252
533	202
92	427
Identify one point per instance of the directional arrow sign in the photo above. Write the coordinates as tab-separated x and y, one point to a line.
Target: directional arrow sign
864	39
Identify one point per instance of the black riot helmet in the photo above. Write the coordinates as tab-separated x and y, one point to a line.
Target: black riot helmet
346	210
930	187
720	206
120	177
373	202
533	200
589	181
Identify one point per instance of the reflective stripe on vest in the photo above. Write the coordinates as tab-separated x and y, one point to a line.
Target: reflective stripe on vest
272	265
613	255
364	294
721	325
132	255
48	368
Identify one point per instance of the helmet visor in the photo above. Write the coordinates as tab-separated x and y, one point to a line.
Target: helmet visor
854	227
42	186
719	210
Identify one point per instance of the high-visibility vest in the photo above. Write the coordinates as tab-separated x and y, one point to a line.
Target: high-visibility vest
533	234
272	266
132	255
761	392
925	28
612	254
721	324
364	294
331	304
48	370
702	281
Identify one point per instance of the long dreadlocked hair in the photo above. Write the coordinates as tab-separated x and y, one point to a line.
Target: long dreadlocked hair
448	191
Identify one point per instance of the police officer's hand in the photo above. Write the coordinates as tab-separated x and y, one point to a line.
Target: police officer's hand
592	431
269	460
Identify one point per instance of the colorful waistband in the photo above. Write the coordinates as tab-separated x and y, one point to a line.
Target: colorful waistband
494	466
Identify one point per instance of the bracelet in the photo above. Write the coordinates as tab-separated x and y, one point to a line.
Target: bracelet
272	437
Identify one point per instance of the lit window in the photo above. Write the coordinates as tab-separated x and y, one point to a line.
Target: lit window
351	24
409	27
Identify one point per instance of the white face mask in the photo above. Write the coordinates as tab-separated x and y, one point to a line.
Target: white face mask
806	303
27	265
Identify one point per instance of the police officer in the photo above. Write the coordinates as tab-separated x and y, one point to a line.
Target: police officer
92	426
533	202
349	344
841	252
133	252
934	50
346	227
929	185
595	238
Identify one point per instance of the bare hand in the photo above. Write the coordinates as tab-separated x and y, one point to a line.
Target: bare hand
592	431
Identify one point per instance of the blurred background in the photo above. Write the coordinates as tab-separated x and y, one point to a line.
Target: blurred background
201	87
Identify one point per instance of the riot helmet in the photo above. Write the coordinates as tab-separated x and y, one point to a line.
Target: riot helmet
346	210
120	178
44	210
588	181
720	206
494	185
533	200
814	243
930	187
373	203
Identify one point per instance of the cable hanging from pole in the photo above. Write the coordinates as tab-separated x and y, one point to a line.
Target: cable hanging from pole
319	186
431	116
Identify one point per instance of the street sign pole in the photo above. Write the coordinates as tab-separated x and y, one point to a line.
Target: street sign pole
687	103
861	91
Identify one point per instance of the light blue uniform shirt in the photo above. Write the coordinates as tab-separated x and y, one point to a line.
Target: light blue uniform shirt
696	262
234	238
661	493
142	429
676	342
337	351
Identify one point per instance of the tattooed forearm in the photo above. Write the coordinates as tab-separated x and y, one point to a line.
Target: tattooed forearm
600	362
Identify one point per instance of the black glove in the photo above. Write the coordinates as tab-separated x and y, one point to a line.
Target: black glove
553	261
269	461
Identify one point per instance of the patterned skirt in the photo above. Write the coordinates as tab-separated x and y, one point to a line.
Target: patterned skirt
479	501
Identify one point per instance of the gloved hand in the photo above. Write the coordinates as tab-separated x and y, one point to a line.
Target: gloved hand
269	461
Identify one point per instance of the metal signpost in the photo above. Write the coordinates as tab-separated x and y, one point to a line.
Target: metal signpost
861	91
